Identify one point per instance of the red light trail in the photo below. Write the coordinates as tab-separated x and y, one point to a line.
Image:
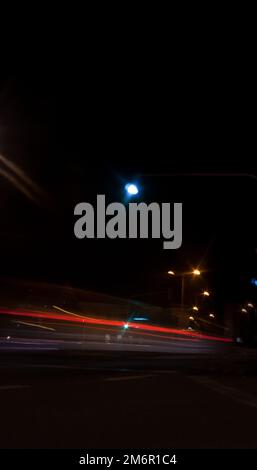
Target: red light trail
116	323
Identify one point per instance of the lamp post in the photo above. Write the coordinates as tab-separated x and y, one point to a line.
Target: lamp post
195	272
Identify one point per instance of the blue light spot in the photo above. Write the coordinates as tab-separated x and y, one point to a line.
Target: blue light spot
131	189
140	319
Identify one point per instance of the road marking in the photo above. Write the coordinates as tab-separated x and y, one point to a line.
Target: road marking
13	387
230	392
130	377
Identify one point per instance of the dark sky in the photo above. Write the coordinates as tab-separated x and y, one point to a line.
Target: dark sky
79	134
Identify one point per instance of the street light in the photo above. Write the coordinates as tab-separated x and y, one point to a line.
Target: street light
191	318
206	293
196	272
211	315
195	308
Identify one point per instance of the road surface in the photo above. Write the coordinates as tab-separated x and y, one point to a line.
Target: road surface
124	399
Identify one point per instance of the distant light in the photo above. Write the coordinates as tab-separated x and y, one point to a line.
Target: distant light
254	281
140	319
195	308
206	293
171	273
8	337
250	305
191	318
211	315
131	189
126	326
196	272
244	310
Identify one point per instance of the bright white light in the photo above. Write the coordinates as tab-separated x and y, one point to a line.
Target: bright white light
244	310
196	272
126	326
206	293
211	315
195	308
191	318
250	305
131	189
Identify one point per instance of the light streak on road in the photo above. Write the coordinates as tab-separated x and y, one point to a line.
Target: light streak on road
116	323
70	313
17	184
20	180
20	173
34	324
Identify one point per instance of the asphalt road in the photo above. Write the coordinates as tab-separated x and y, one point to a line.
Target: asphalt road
117	399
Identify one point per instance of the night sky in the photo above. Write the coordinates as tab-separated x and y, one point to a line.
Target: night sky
82	134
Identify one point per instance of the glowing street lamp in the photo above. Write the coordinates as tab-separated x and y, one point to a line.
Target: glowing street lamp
191	318
195	308
196	272
206	293
211	315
